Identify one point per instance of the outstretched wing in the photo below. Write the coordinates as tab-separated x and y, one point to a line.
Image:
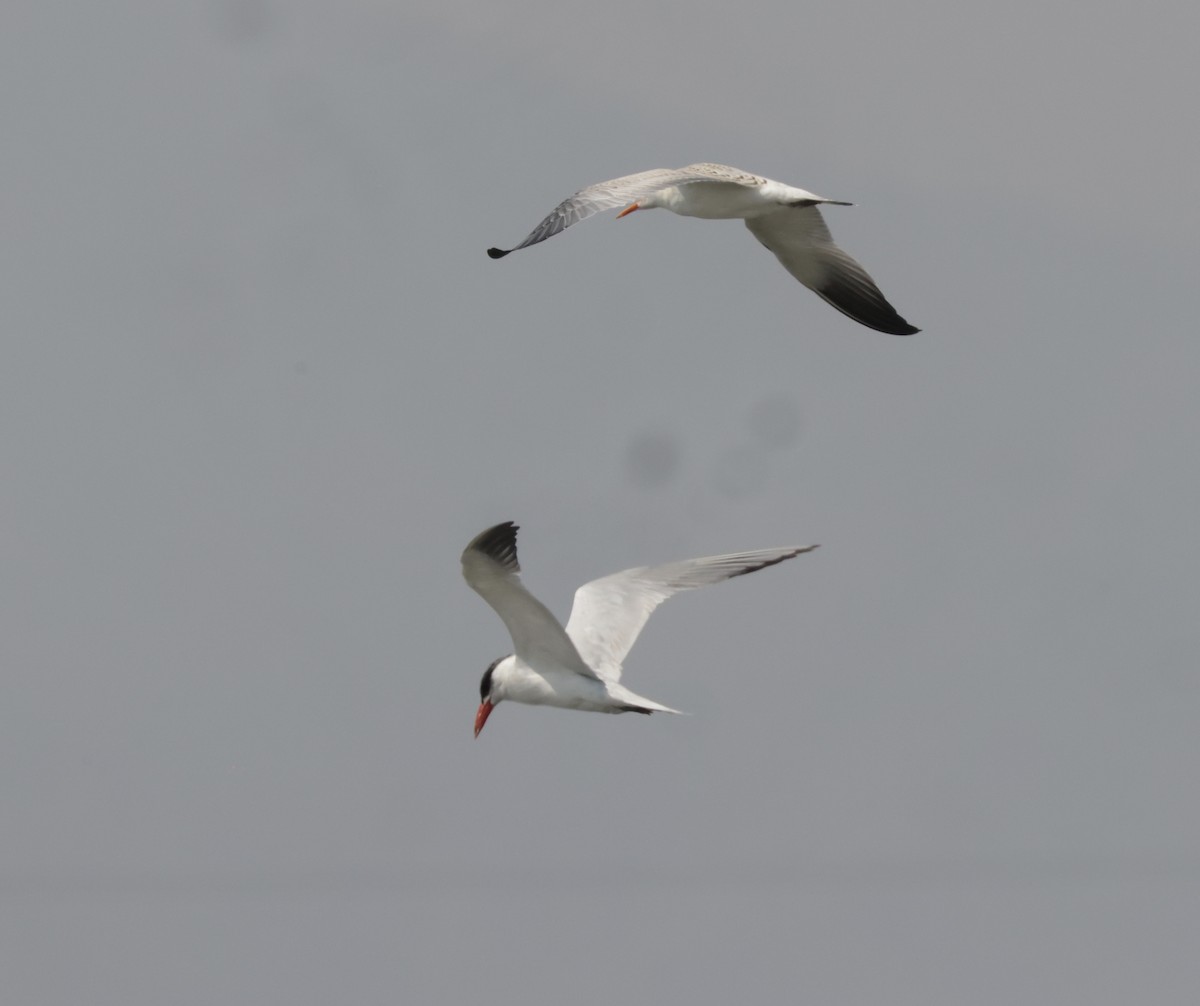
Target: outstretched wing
490	567
623	191
610	612
592	200
798	237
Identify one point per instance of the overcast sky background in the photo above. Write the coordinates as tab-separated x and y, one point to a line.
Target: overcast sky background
262	385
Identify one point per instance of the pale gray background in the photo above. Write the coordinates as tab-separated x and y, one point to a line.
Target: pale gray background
261	385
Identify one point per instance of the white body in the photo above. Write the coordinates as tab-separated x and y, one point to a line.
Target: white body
723	201
552	684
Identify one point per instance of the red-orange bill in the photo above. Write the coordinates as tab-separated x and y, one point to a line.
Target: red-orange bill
485	710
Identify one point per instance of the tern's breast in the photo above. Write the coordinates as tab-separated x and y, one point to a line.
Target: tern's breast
556	687
719	201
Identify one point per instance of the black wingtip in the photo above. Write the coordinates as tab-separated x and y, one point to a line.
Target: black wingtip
856	296
497	252
499	543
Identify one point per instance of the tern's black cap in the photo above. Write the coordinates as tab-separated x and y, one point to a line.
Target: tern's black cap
485	683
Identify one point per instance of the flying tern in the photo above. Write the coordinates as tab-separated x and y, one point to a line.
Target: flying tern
785	220
579	667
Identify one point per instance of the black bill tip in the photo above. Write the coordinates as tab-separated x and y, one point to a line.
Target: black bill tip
497	252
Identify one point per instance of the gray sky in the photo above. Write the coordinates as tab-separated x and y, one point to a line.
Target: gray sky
262	385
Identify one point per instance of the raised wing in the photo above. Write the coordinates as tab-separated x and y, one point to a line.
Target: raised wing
610	612
490	567
798	237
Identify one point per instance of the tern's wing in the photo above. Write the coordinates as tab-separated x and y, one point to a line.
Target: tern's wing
490	567
798	237
609	613
623	191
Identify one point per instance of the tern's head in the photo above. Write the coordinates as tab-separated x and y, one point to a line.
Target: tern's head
663	197
488	695
670	198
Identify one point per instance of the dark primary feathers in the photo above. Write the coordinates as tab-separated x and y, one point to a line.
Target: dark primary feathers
754	567
499	543
799	238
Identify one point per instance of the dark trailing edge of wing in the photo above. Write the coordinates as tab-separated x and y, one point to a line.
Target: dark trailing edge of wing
498	252
773	562
500	543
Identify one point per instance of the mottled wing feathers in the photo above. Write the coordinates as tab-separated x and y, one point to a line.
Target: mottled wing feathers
592	200
623	191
